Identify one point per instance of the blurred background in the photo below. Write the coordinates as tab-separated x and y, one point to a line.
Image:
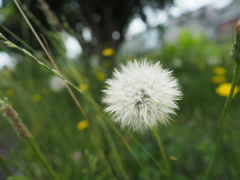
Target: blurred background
88	39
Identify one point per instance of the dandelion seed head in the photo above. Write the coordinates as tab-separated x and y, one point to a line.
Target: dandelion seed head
141	94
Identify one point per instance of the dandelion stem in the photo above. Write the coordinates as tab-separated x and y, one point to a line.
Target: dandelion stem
165	161
224	112
235	54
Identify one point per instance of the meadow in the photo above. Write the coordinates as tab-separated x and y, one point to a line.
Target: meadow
86	144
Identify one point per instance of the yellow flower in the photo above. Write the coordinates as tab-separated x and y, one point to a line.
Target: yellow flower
218	79
83	87
82	125
9	93
107	52
37	97
224	89
219	70
107	63
101	76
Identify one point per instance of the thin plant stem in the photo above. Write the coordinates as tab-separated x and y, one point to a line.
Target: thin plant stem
50	15
16	37
149	154
89	99
224	112
16	164
4	166
31	142
115	152
165	161
235	55
128	146
23	133
69	89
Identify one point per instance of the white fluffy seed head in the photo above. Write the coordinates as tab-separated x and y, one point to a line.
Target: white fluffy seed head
141	94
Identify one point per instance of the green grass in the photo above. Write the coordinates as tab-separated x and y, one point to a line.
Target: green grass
52	120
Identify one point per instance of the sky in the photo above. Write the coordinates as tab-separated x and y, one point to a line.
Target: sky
192	5
137	26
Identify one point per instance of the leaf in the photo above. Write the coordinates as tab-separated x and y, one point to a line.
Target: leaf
3	164
18	178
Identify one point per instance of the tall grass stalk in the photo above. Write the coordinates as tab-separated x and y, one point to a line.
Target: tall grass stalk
165	161
157	163
32	143
4	166
235	54
24	134
116	131
56	67
58	73
91	101
16	37
115	152
69	89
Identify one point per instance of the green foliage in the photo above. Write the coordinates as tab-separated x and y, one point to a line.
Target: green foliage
193	60
18	178
52	118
